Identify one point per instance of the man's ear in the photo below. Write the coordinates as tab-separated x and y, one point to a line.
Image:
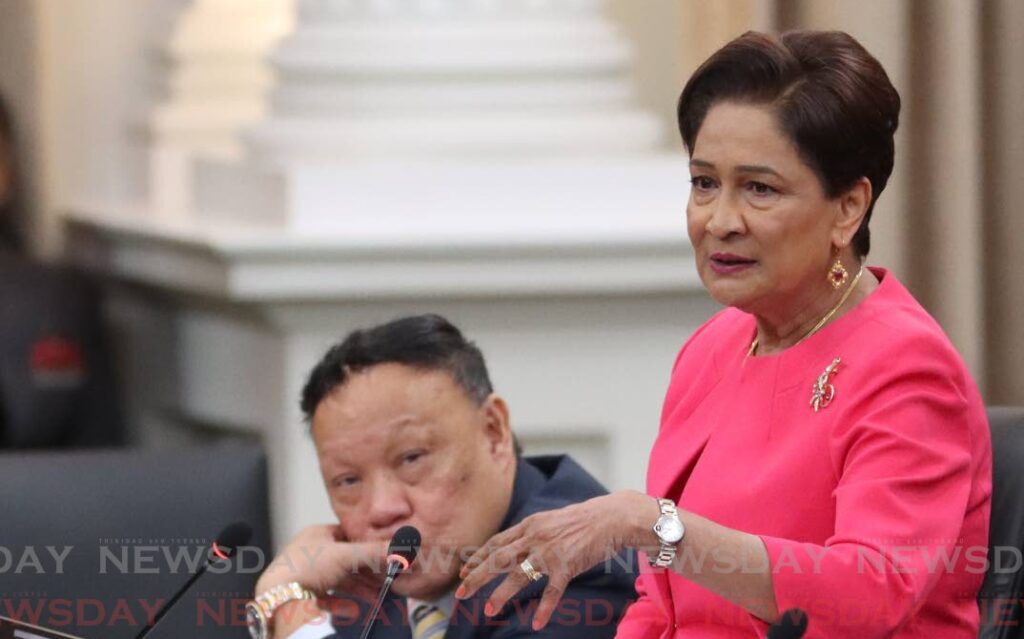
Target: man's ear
497	427
852	207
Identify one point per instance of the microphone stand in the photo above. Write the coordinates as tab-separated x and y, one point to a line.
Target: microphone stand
170	604
393	568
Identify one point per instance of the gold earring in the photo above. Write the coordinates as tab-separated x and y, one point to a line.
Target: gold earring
838	275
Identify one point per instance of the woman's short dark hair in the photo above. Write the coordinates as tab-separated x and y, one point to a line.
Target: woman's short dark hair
427	342
832	98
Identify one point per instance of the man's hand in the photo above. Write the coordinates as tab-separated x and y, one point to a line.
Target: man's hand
320	560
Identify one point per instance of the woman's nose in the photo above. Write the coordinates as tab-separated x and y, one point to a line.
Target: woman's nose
726	217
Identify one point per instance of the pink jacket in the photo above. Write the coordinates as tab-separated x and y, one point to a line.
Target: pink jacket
874	510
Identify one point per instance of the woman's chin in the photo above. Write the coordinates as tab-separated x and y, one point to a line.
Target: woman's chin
730	293
729	289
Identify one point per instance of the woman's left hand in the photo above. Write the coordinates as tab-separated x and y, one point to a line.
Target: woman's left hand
560	544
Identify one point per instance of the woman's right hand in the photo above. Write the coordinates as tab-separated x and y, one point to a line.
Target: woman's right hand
560	544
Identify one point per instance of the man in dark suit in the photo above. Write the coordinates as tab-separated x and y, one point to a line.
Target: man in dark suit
56	379
409	431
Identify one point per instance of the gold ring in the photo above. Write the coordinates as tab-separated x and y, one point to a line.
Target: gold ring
531	572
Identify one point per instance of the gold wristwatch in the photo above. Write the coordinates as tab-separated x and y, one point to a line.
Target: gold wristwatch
260	611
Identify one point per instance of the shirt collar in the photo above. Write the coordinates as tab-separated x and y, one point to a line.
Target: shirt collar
445	603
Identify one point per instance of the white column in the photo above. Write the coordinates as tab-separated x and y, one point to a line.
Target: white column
480	118
217	85
411	78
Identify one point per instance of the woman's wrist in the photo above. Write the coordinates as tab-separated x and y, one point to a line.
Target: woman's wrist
637	515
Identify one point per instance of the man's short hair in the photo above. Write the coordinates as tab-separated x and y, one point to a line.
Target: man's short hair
426	342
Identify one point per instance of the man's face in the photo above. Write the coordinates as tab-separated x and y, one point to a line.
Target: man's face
402	446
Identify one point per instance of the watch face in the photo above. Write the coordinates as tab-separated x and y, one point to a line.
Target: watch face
669	529
254	619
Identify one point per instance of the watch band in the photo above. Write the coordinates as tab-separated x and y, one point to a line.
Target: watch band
261	609
667	549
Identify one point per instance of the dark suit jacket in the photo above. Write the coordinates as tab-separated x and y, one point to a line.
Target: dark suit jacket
592	605
56	380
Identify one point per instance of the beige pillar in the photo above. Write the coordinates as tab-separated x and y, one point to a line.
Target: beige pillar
1003	192
709	25
943	120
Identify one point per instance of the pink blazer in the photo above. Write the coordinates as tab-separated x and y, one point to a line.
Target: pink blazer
874	509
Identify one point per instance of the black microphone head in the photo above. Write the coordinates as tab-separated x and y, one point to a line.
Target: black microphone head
229	539
792	625
405	543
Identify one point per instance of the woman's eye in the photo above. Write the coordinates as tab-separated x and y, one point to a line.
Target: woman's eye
761	188
702	183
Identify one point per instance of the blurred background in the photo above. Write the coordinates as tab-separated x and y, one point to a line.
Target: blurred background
229	186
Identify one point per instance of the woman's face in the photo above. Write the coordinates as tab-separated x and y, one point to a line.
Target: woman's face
761	227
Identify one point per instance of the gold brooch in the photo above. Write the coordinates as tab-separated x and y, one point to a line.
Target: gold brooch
824	391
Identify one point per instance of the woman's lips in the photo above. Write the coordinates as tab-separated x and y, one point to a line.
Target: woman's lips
728	263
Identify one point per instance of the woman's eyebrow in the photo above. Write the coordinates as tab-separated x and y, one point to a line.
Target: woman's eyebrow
743	168
758	168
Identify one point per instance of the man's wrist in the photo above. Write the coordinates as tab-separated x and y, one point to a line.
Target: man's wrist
290	605
269	580
263	585
291	616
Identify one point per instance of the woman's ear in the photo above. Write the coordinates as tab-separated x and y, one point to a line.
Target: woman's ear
853	206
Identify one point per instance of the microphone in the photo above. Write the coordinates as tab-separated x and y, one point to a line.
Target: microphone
402	551
792	625
223	548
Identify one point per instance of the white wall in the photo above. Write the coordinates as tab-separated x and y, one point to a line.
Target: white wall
86	72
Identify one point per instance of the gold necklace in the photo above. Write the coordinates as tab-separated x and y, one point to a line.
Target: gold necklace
823	320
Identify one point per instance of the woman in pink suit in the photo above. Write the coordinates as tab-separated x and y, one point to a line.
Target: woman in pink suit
822	445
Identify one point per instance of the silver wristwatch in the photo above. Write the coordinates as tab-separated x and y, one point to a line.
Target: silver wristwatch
259	611
670	530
